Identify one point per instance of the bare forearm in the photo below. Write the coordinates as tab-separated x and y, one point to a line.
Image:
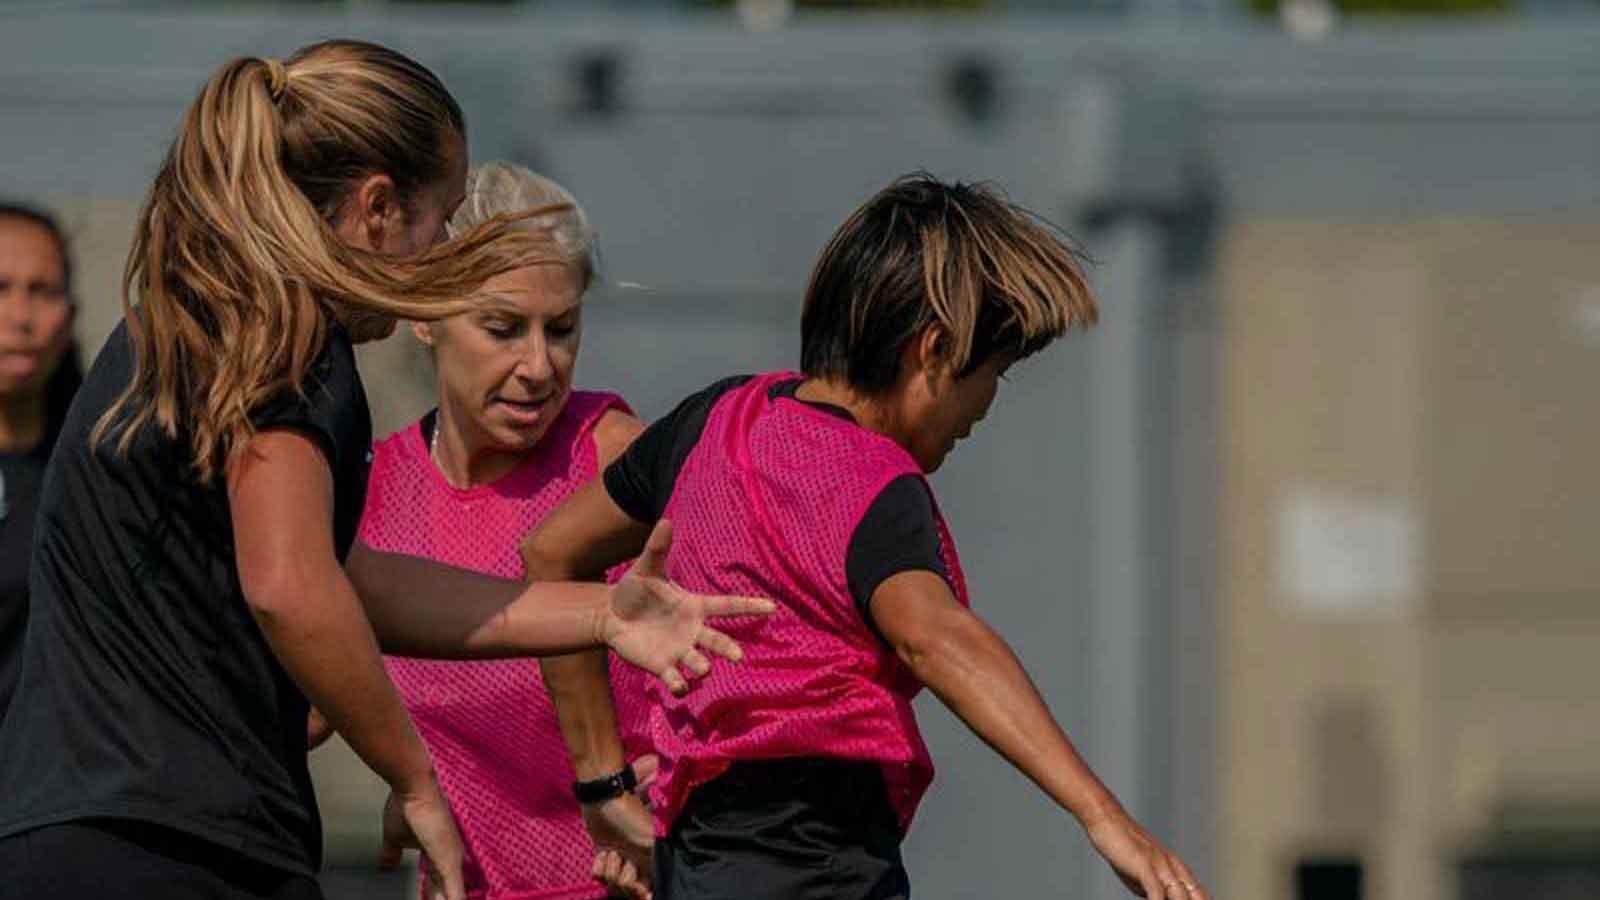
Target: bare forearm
484	617
322	639
579	687
972	670
579	684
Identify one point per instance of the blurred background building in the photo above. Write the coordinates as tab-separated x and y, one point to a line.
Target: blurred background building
1300	542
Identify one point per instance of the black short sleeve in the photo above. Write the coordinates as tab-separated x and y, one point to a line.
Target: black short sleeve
640	480
898	533
332	410
332	392
147	690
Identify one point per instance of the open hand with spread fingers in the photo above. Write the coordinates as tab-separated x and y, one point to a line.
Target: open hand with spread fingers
660	627
1148	868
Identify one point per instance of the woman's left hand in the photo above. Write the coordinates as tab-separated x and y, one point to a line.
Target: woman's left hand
1149	869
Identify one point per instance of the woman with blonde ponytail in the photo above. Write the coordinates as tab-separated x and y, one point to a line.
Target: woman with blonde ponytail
193	583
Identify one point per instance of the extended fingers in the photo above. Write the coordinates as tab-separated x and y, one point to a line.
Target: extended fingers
717	606
652	561
673	679
1187	879
714	641
695	662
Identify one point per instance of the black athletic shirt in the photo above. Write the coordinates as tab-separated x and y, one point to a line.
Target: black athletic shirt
898	533
147	691
20	475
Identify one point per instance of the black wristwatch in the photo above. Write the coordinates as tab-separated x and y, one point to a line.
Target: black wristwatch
600	790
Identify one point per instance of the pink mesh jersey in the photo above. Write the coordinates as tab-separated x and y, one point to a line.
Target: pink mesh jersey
765	505
490	726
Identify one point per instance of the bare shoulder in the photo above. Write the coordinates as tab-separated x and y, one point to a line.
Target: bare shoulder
613	433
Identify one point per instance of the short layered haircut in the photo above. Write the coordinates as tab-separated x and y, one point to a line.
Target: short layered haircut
990	275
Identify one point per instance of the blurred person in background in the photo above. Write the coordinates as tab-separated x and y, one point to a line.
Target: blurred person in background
39	373
508	441
187	589
796	774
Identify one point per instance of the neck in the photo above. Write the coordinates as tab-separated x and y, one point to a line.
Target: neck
464	462
21	421
871	413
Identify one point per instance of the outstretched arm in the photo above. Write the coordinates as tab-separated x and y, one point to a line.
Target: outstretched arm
972	670
486	617
649	621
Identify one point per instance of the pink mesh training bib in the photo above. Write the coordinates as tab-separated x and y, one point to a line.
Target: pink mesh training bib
489	725
765	506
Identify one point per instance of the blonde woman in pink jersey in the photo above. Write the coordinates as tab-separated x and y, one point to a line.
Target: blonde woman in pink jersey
794	775
509	440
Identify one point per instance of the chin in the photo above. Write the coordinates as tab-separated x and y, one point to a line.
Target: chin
518	440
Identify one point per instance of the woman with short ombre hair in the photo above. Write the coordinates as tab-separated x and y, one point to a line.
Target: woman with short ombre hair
795	775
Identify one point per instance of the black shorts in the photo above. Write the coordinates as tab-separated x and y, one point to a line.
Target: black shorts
115	859
790	829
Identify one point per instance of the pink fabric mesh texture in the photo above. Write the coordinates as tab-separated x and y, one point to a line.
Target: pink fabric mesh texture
765	506
489	725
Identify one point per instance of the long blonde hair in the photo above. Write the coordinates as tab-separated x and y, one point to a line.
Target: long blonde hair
235	264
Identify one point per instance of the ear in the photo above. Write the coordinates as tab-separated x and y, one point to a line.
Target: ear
373	210
927	354
424	332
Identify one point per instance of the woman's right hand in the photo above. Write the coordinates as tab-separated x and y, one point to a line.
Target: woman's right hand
420	819
658	626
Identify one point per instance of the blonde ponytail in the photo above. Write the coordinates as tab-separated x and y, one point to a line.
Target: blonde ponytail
235	265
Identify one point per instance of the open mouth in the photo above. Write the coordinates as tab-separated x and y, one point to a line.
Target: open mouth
526	411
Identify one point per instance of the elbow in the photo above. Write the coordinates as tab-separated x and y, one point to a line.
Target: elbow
944	642
543	563
273	592
917	649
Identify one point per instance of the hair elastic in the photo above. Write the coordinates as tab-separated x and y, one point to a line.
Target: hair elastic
277	79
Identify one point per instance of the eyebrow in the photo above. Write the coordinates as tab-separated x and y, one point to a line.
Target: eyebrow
501	302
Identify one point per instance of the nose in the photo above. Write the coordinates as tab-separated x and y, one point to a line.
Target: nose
534	365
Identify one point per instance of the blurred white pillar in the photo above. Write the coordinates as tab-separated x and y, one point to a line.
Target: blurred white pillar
1124	726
